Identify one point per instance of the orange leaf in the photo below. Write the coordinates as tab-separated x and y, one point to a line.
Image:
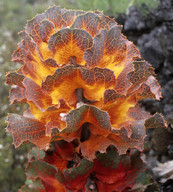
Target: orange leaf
35	94
53	116
32	60
93	82
70	42
92	128
111	50
82	79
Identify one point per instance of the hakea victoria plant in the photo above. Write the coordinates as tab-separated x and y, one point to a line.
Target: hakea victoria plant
82	80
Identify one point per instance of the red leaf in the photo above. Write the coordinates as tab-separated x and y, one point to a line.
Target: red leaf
61	154
74	179
117	173
46	173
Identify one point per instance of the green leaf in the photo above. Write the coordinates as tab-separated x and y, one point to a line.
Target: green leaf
156	121
47	174
75	178
36	154
87	113
111	158
41	169
35	186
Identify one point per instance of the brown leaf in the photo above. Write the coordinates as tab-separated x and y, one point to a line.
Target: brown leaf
46	29
24	129
14	78
34	93
156	121
17	94
71	43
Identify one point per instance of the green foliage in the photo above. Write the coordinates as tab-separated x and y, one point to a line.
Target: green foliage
109	7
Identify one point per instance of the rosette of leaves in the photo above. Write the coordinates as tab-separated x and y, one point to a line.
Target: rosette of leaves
82	80
51	171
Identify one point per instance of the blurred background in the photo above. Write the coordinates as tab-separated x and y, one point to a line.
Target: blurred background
148	23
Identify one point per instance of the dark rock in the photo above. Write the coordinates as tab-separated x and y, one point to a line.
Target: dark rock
135	20
167	92
153	35
150	47
167	186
